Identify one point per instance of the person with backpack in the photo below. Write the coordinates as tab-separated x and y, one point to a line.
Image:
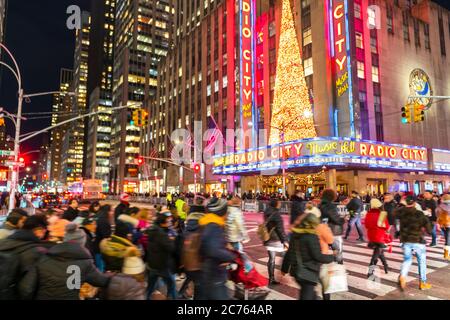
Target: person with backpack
14	222
160	255
213	251
443	219
50	279
18	254
191	249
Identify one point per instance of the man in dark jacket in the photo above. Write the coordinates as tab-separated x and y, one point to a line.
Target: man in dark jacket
160	255
18	253
355	207
429	205
213	250
72	211
330	215
60	274
298	206
123	206
389	205
412	222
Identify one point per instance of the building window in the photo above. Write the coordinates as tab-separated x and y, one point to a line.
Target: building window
373	45
359	40
378	117
426	31
372	18
307	37
308	65
361	70
375	74
442	36
357	11
416	33
390	19
405	26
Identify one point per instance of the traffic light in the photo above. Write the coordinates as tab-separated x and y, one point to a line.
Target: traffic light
140	161
419	113
145	117
22	159
135	118
406	114
196	167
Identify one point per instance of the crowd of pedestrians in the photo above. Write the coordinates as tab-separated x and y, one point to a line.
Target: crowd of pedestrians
133	253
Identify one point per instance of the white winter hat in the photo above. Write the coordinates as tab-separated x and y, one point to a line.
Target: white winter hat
133	266
315	211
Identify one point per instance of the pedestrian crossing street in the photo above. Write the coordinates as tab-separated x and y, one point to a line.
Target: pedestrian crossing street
356	260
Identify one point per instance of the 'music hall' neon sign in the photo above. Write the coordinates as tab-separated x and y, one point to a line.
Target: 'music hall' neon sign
324	151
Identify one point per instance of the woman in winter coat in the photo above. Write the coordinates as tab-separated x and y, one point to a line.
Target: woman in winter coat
443	216
104	230
278	241
304	257
377	226
331	216
50	278
235	227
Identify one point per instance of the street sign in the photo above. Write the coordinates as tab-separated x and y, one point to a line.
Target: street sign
14	164
6	153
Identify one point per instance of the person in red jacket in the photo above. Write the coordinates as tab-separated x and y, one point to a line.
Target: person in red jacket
377	226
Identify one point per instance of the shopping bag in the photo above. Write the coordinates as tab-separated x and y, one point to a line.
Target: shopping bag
337	279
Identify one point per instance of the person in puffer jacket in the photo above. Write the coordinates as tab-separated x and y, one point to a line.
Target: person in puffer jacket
443	216
117	248
235	227
213	250
377	225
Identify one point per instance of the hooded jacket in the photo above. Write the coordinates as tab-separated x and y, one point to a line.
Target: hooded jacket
443	214
160	250
114	251
336	222
304	256
124	287
49	279
235	227
298	208
213	248
275	225
412	221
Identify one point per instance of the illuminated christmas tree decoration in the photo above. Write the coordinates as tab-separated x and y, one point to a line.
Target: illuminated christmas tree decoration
291	111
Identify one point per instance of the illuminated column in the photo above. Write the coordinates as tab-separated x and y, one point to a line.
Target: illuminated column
330	178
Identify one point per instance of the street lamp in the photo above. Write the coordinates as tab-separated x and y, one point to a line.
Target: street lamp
17	122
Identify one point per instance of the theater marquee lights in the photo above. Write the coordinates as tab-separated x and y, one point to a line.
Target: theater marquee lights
324	151
247	23
342	68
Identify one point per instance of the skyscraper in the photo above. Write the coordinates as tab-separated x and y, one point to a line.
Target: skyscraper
99	91
72	157
61	106
142	34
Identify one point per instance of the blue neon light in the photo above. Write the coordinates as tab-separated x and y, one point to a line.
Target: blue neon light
349	67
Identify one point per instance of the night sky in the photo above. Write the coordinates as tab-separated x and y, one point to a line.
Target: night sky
37	35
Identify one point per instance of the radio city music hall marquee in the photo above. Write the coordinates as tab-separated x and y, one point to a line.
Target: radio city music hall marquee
324	151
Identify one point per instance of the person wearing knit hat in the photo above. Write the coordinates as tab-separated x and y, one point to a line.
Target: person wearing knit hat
74	235
123	206
377	225
213	250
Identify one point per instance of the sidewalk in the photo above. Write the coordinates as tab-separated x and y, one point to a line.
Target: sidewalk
439	279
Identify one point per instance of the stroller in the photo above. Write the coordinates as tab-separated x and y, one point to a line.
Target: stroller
249	284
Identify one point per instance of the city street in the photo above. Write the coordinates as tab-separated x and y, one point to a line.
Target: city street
356	260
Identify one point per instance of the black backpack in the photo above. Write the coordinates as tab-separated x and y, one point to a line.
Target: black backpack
10	273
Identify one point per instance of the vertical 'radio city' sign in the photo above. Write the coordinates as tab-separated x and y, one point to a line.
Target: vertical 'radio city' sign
246	77
340	47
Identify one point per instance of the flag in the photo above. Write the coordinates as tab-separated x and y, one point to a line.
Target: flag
214	135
